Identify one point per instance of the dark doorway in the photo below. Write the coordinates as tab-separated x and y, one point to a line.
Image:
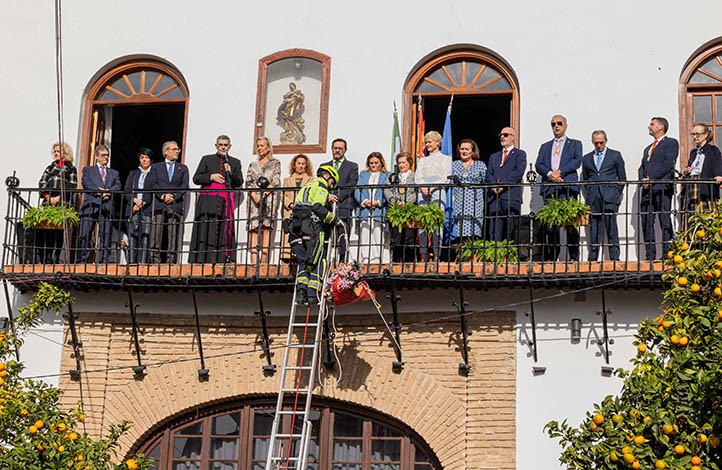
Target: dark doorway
477	117
143	125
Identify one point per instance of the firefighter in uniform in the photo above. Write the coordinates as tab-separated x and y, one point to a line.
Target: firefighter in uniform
311	220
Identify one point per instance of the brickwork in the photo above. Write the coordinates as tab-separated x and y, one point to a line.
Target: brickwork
469	422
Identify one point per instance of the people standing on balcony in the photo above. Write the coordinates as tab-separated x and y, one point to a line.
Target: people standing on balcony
505	172
371	210
557	162
263	173
101	181
658	161
343	196
704	163
214	233
432	171
398	193
57	186
603	166
300	172
468	202
171	178
312	219
139	208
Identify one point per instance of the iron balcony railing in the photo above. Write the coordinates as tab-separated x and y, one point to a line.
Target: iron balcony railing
525	250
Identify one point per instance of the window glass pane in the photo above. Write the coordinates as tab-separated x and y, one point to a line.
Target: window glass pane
347	426
455	72
471	69
192	430
378	430
108	95
155	453
713	67
385	466
347	451
153	465
440	77
222	466
346	467
150	78
187	466
488	74
719	136
501	84
134	79
224	448
263	422
426	87
386	450
703	108
227	425
119	84
260	447
718	114
187	447
422	466
701	79
419	456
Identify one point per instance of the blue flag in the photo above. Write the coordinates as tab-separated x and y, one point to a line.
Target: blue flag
447	147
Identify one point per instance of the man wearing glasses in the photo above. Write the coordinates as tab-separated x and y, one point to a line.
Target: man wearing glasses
658	161
171	177
214	236
505	171
343	196
97	206
558	162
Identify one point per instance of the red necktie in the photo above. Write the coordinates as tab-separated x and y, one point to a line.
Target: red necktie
503	157
102	173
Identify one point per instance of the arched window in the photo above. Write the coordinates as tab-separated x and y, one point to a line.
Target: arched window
485	91
701	95
236	436
133	103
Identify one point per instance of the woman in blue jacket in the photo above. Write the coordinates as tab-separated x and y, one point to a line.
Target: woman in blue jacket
371	209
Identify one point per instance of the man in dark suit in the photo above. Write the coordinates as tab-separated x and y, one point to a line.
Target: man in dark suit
505	168
604	166
138	208
97	206
348	175
558	162
658	161
172	178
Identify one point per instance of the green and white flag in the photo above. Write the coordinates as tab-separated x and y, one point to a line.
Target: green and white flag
395	136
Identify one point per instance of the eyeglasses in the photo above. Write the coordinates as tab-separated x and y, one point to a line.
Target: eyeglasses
103	154
557	123
698	133
174	150
504	134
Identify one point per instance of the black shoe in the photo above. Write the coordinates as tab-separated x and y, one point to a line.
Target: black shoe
312	300
301	298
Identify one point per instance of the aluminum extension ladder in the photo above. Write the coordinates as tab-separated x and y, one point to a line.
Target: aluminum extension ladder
288	448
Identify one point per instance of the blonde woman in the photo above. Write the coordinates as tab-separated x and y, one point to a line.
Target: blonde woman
300	172
263	173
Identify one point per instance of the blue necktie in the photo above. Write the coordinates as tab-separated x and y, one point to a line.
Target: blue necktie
599	160
170	171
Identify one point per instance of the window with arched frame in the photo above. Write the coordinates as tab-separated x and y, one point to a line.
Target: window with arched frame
235	436
133	102
485	91
700	99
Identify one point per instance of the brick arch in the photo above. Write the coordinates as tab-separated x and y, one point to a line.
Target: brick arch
167	392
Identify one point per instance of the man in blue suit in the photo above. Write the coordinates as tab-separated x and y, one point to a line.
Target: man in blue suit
558	162
658	161
172	178
343	198
604	166
97	206
505	170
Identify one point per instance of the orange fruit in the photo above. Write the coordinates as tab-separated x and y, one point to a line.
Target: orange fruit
670	254
667	429
677	259
73	436
695	467
660	464
629	458
717	273
679	449
674	339
616	419
131	464
684	246
2	366
696	460
701	439
714	441
717	292
708	275
718	264
79	458
32	429
626	450
667	323
700	234
3	373
39	424
2	337
62	427
61	448
695	287
639	440
613	457
598	419
642	349
635	465
682	281
683	341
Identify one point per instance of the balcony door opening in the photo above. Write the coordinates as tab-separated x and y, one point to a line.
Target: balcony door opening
476	117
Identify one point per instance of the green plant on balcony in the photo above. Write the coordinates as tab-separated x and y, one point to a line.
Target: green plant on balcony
563	212
429	217
487	250
48	216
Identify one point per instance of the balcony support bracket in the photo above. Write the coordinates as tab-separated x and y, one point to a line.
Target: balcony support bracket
269	368
139	369
398	364
464	367
74	342
203	372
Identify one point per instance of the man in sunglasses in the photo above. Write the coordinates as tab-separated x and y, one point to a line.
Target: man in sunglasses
557	163
505	171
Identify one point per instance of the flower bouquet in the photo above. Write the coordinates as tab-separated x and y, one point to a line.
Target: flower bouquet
344	286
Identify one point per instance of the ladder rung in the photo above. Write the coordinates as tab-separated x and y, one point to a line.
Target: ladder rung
289	390
280	459
291	436
298	367
302	345
302	412
310	325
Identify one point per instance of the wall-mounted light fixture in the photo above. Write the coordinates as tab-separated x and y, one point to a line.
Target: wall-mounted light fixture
576	326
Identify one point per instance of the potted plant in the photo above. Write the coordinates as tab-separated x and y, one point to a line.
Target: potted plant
563	213
345	286
429	217
487	250
47	216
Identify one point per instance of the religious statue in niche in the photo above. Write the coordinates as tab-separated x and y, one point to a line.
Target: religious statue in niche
290	116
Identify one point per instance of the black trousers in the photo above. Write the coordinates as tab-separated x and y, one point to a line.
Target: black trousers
403	244
656	204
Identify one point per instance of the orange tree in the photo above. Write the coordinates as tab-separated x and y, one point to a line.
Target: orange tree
668	412
36	433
